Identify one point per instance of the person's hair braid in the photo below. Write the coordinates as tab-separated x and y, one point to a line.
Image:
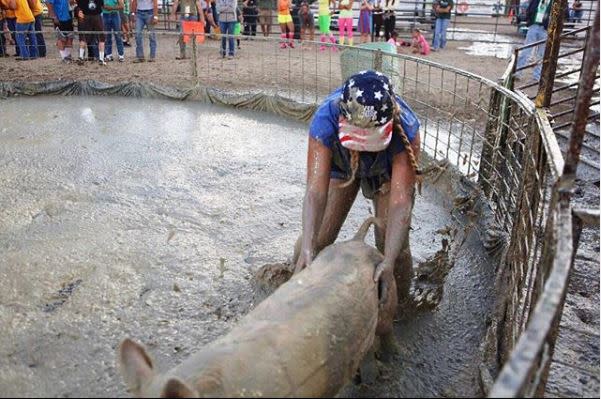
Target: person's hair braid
398	128
354	167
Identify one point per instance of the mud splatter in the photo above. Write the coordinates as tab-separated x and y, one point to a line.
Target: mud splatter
62	296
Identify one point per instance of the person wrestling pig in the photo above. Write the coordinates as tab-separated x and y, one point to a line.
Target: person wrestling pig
363	136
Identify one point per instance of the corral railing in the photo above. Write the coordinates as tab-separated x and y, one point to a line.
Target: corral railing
495	137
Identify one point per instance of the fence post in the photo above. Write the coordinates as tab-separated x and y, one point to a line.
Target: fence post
194	60
545	88
378	61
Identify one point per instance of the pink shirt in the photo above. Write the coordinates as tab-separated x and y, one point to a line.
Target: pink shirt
423	43
392	41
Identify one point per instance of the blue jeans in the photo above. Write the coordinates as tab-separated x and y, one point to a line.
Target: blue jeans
112	25
227	28
12	28
144	19
24	32
440	33
39	36
535	33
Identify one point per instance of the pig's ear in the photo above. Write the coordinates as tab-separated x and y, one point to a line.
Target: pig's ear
136	366
175	388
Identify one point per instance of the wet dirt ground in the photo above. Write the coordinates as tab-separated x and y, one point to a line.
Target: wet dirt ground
116	221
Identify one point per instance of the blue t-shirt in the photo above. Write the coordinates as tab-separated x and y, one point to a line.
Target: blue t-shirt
324	127
61	9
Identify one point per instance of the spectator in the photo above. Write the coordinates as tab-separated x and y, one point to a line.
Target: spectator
89	16
125	27
238	26
112	25
443	17
266	15
146	14
60	12
365	19
36	9
226	10
307	21
325	21
190	10
286	25
576	13
250	14
378	20
537	19
345	21
389	19
26	40
419	43
2	38
11	23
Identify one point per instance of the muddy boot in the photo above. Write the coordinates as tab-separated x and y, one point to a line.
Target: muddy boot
368	370
403	274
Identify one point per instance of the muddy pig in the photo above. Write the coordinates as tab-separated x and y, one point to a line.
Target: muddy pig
307	339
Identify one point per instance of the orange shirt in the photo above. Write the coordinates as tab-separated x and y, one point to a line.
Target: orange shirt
23	13
283	7
37	8
8	13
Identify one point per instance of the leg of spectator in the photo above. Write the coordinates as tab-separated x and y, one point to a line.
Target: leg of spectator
139	37
445	25
20	32
108	26
118	36
152	36
41	47
231	50
33	41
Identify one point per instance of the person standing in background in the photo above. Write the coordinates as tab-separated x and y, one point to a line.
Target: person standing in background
537	17
146	14
36	9
250	14
365	19
345	21
25	29
389	19
266	15
378	20
11	23
443	18
89	16
125	27
60	12
112	25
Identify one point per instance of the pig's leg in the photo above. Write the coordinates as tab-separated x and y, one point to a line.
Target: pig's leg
339	203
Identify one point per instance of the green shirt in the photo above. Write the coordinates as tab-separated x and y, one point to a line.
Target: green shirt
110	3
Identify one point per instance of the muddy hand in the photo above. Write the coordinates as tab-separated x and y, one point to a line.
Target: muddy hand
304	261
382	276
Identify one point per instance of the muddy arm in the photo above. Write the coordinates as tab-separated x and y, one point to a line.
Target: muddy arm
319	160
400	206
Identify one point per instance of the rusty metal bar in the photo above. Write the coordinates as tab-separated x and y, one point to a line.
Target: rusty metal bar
581	113
564	100
545	90
590	117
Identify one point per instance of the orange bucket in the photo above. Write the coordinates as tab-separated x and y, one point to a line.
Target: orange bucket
193	27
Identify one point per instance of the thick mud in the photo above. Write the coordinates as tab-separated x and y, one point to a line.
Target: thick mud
150	219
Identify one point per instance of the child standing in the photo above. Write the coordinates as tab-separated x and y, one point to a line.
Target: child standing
365	17
345	21
325	20
286	24
419	43
306	21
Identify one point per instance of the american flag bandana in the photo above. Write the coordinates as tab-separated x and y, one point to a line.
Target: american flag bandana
366	110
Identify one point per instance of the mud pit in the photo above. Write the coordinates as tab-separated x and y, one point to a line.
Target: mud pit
148	218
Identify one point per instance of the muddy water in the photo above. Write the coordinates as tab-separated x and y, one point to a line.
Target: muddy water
147	219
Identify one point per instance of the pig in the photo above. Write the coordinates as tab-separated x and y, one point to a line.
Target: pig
307	339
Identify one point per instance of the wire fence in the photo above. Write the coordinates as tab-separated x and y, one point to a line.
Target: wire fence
492	135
